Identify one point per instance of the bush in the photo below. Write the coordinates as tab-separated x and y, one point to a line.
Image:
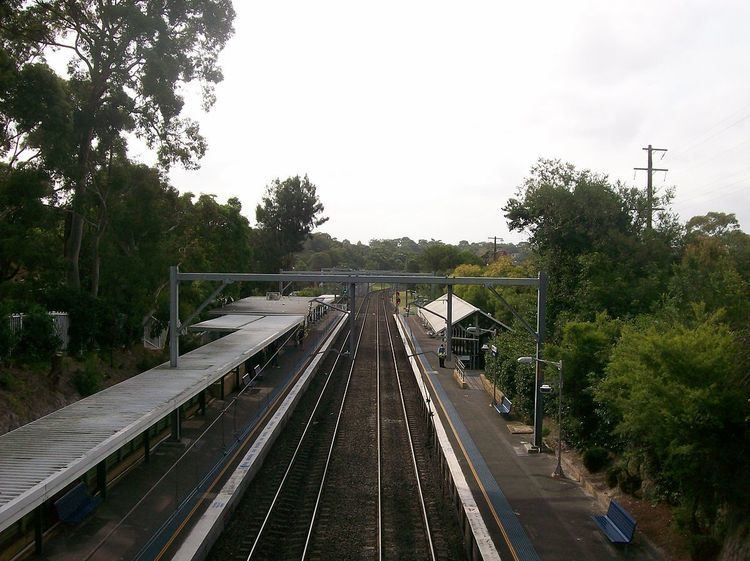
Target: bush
613	475
629	484
704	547
149	360
37	340
8	381
595	459
89	380
7	339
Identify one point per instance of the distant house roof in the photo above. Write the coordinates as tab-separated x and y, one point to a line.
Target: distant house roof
435	312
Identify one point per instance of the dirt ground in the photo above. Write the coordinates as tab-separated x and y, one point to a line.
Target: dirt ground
28	392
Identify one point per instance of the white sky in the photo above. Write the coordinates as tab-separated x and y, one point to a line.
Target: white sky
420	119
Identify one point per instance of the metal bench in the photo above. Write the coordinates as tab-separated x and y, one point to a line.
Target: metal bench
617	524
504	406
76	504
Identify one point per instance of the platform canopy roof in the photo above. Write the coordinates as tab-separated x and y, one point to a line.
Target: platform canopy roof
262	305
436	311
41	458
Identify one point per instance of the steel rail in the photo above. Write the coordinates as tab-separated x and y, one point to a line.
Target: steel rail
411	444
301	440
333	440
380	478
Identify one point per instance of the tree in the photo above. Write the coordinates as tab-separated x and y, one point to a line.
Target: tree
440	257
674	387
585	349
29	244
712	224
289	212
128	60
590	237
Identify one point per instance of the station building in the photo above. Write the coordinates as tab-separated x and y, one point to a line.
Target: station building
467	343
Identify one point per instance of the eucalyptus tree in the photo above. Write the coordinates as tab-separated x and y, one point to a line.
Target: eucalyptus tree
127	63
289	212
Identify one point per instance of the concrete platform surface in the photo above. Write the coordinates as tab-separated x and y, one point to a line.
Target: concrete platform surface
552	516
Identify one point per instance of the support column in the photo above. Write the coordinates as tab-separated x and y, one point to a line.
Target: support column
541	308
449	325
39	529
174	317
147	445
176	424
101	478
202	399
352	319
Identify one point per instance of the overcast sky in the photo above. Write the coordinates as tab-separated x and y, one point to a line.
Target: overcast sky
420	119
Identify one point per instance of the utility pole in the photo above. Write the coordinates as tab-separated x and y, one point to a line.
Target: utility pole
649	181
494	247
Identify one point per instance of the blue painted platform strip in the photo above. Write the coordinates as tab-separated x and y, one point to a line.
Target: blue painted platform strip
514	531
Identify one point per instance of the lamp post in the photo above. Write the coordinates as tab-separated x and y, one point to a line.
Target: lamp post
476	332
493	350
559	365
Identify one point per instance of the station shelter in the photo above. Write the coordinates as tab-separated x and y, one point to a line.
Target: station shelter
472	328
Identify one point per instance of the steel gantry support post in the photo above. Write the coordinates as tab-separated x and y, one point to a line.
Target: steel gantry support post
39	529
541	305
352	318
174	317
449	325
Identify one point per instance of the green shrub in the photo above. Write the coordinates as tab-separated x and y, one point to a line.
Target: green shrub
629	483
37	340
703	547
8	381
7	338
612	477
595	459
89	380
149	360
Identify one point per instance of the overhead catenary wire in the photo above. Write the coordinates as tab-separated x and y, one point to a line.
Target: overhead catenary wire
709	135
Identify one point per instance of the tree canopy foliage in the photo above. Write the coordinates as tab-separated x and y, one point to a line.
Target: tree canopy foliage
652	327
127	62
289	212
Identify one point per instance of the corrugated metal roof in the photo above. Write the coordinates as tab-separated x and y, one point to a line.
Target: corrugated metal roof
436	311
231	322
42	457
262	305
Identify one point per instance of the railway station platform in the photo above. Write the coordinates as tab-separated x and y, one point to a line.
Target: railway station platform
163	468
531	515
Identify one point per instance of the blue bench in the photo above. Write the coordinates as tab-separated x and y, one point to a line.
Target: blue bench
504	406
76	504
617	524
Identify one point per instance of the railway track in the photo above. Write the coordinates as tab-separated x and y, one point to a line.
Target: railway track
352	476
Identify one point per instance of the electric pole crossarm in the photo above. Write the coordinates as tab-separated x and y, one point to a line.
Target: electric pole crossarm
649	181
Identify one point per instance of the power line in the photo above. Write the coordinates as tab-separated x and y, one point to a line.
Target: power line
697	163
708	134
721	191
650	180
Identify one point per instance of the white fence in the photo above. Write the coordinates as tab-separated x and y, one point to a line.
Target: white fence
157	342
60	321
